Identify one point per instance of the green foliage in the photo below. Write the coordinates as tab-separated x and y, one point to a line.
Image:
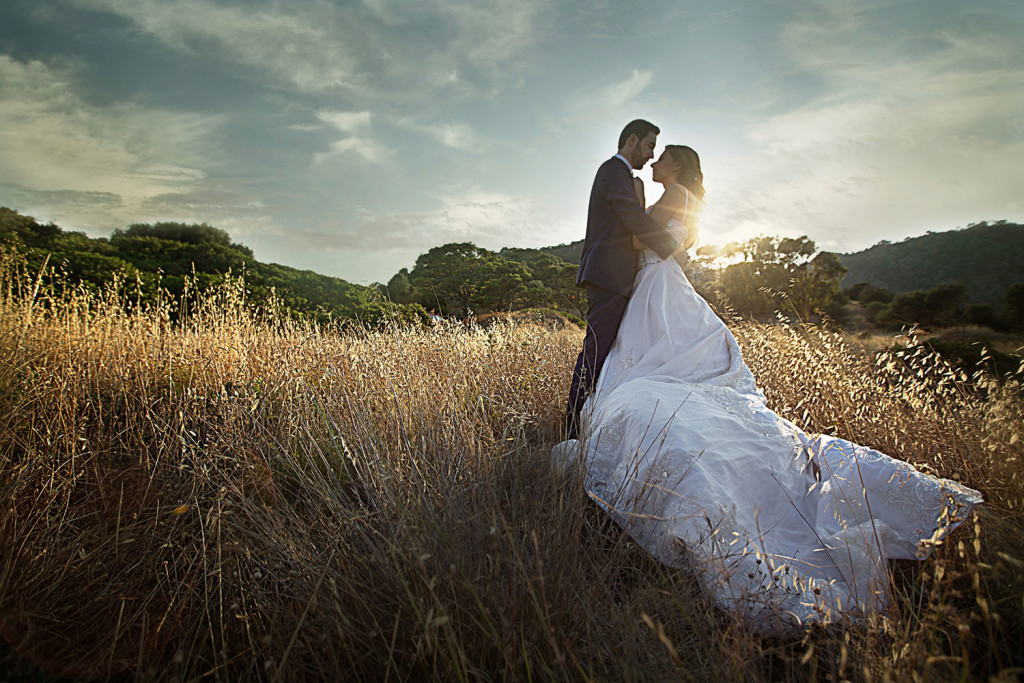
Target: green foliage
399	289
940	306
194	233
165	255
866	293
1013	305
23	231
461	277
978	356
836	311
557	277
742	283
815	284
875	311
984	315
779	273
570	253
986	257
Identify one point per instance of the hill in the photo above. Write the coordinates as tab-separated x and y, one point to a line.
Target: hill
168	254
986	257
570	253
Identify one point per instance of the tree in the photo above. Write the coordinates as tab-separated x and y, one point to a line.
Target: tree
192	233
815	284
742	285
984	315
1013	304
459	277
400	289
444	276
782	272
939	306
866	293
555	278
504	283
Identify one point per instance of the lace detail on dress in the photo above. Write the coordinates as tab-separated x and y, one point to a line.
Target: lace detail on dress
649	257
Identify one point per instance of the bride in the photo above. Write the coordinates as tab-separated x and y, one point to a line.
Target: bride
678	445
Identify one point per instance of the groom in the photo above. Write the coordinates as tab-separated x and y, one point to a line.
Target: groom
608	262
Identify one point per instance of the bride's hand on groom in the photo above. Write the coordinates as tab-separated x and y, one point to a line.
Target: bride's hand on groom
637	244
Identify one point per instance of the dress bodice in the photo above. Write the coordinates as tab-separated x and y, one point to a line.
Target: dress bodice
649	257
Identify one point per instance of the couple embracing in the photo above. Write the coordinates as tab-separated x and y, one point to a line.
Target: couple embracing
677	444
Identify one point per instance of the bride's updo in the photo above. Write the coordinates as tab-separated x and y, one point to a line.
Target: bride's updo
689	176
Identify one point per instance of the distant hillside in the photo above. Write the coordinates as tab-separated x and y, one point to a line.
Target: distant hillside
986	257
169	253
570	253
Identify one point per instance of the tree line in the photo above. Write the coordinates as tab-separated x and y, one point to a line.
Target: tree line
944	305
755	278
176	259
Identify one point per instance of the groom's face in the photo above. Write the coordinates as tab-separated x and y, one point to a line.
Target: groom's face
644	150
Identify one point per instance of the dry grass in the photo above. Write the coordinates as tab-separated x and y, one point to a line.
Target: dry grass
244	497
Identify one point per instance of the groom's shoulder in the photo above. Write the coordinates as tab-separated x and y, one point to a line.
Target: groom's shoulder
611	167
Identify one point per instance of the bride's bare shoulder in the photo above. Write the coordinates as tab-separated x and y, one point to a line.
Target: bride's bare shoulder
675	196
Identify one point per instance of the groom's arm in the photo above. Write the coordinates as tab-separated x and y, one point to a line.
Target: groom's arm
621	196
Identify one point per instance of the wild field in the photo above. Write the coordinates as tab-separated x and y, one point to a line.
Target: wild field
216	492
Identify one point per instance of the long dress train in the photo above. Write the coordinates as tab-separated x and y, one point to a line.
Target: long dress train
780	526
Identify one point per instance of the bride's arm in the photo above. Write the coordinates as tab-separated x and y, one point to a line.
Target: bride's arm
672	204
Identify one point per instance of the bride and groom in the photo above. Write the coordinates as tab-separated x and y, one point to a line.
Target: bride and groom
678	445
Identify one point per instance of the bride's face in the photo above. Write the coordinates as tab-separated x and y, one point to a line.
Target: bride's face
665	168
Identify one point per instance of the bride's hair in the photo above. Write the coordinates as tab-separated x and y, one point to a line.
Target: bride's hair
689	176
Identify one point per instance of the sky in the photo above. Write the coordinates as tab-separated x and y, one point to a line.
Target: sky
348	137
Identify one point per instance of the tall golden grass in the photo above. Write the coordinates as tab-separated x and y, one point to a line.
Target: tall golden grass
227	493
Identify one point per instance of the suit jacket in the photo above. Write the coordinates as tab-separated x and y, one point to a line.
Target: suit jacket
609	260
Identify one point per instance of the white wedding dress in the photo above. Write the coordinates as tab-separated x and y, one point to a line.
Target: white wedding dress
680	448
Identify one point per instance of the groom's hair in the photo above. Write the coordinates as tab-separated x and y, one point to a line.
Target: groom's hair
639	128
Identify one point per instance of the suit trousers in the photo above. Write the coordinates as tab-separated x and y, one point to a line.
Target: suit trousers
604	313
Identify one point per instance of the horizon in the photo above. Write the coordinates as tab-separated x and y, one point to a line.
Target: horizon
881	243
349	139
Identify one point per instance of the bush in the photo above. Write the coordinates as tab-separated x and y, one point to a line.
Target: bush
837	312
977	356
940	306
984	315
867	293
876	309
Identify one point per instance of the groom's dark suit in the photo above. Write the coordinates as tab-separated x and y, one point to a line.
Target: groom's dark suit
607	269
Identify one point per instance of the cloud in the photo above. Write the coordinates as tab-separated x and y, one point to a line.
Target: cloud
356	124
456	135
59	152
488	219
622	93
606	102
99	167
347	121
366	148
924	133
298	50
367	48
